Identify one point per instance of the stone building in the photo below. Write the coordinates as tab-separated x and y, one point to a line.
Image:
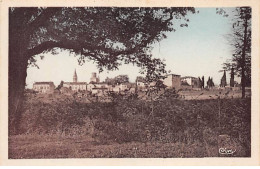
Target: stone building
172	81
193	82
44	87
75	85
93	85
94	78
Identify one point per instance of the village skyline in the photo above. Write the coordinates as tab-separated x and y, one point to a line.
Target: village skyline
75	78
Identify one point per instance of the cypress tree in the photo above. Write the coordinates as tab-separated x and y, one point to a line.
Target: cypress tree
223	80
232	75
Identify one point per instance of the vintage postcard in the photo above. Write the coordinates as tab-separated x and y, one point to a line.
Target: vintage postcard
129	83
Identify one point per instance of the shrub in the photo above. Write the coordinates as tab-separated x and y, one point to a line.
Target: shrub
165	119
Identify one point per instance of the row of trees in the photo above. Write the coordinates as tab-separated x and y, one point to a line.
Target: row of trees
223	81
210	82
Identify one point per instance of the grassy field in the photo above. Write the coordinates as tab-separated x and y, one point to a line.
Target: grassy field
167	126
44	146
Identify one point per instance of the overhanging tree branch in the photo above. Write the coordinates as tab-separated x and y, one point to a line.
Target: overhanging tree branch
43	18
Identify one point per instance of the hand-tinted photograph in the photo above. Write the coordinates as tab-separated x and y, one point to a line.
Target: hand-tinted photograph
129	82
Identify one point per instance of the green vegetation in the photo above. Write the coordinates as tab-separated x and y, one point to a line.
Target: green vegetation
130	127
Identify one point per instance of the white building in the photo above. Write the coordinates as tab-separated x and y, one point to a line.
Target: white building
76	86
44	87
191	81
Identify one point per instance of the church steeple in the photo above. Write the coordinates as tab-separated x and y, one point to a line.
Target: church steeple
75	77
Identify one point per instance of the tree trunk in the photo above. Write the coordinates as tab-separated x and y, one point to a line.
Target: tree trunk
243	84
16	78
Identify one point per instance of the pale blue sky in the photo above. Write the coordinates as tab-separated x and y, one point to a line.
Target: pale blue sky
196	50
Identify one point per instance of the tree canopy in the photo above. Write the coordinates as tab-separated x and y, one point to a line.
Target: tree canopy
109	36
117	80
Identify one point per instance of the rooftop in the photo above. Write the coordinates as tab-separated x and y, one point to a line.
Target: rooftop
97	82
172	75
185	77
76	83
41	83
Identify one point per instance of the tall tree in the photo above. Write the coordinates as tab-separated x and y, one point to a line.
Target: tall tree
122	79
223	82
202	82
110	81
60	85
109	36
210	82
232	77
240	40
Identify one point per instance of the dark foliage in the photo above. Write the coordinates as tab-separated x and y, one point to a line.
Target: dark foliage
165	120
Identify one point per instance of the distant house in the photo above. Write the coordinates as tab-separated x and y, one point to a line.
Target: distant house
103	87
193	82
172	81
185	85
75	85
94	78
44	87
94	85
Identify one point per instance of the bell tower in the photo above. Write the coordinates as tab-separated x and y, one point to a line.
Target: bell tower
75	77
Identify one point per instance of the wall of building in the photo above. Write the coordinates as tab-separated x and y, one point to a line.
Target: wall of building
192	81
44	88
188	80
173	81
98	85
75	87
